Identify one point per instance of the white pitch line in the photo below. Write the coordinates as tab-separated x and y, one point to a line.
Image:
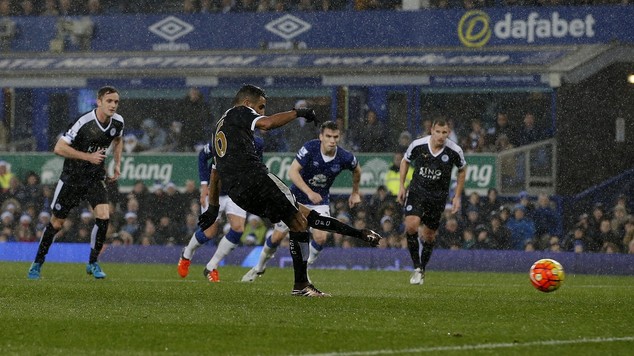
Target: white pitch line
479	346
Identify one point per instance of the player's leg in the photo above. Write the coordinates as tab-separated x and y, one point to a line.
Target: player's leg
271	244
98	198
236	217
431	222
413	245
429	241
63	200
199	238
319	236
327	223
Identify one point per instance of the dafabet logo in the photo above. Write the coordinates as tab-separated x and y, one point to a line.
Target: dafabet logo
476	28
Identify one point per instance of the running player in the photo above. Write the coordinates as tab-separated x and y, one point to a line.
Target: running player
251	186
83	176
313	172
432	157
235	215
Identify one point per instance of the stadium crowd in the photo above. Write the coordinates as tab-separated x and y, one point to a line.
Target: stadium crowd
164	215
108	7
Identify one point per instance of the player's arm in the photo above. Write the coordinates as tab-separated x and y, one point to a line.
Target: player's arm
204	172
117	149
206	219
296	178
404	167
280	119
355	197
457	198
64	149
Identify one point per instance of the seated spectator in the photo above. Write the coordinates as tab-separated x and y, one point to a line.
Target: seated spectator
5	176
477	135
227	6
50	8
207	6
132	225
468	239
404	140
482	239
25	232
188	7
449	235
526	202
371	136
522	229
27	8
492	203
42	221
529	132
545	217
305	5
246	6
254	231
502	127
93	8
7	222
619	218
608	237
502	143
263	6
153	137
131	144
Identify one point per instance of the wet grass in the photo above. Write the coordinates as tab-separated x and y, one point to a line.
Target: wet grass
146	309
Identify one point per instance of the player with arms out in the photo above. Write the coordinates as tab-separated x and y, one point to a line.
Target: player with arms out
313	172
83	176
432	157
235	215
250	185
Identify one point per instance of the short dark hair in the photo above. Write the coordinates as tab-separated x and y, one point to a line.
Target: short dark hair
105	90
440	122
331	125
249	91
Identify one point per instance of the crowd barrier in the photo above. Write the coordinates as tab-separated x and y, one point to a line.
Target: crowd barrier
353	258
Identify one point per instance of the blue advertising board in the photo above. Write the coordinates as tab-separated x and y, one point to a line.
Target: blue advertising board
484	28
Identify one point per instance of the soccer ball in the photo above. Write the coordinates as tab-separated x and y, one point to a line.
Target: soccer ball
546	275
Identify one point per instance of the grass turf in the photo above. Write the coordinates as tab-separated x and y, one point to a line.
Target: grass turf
146	309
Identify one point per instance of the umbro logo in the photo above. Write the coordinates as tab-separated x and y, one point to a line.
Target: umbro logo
171	28
288	26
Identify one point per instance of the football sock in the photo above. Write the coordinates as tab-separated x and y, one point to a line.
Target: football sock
192	246
428	248
327	223
299	248
268	250
48	235
97	238
413	245
225	246
315	249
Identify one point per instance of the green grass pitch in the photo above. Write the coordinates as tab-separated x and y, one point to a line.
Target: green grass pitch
146	309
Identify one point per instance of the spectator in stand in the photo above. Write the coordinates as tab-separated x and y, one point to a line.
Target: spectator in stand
344	141
482	239
66	8
594	222
502	127
545	217
371	136
529	132
159	203
468	239
227	6
473	218
16	192
153	137
280	6
628	236
207	7
141	195
502	143
525	201
404	140
131	143
576	240
381	199
5	176
522	228
5	8
305	5
42	220
473	202
50	8
619	218
246	6
607	238
263	6
190	194
33	191
450	234
7	221
27	8
492	203
476	138
174	200
195	116
168	232
93	8
499	234
132	225
188	7
392	176
174	139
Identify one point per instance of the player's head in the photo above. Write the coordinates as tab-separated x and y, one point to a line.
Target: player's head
251	96
329	136
107	100
439	131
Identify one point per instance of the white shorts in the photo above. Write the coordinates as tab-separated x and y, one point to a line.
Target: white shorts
227	206
323	210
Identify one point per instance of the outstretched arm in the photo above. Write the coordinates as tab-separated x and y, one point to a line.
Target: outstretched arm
280	119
